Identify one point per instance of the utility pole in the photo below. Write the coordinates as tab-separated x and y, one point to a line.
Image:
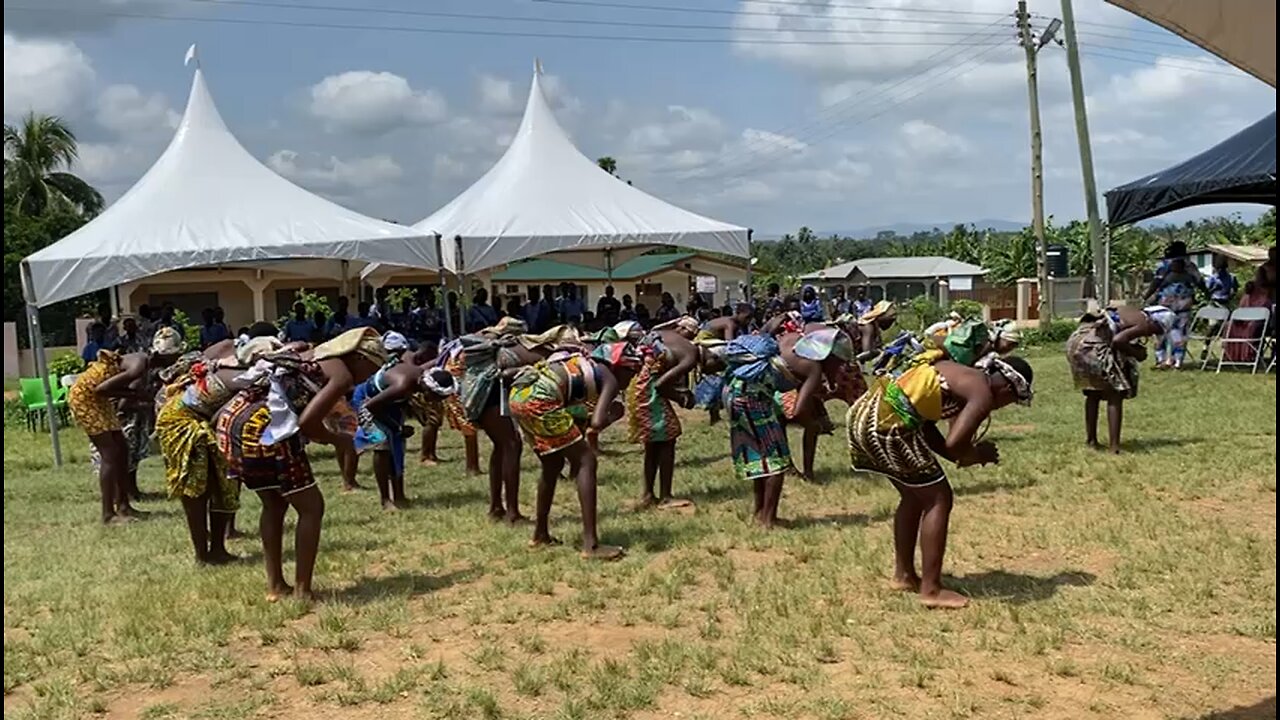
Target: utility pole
1101	269
1037	165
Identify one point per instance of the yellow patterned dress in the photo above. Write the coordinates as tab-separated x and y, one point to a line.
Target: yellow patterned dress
94	413
193	464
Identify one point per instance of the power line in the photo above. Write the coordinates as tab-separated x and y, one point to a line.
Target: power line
1143	41
1110	26
921	68
882	8
1205	63
261	4
475	31
739	157
720	11
1161	62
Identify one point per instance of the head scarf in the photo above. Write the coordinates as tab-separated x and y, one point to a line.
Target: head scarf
365	342
1006	330
686	324
252	349
884	308
994	365
556	337
628	330
394	342
167	341
438	381
507	326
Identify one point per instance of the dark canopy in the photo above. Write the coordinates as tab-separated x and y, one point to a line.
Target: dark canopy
1240	169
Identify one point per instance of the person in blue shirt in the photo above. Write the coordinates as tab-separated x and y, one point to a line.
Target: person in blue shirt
536	314
94	340
573	309
212	330
364	318
299	328
861	303
1221	285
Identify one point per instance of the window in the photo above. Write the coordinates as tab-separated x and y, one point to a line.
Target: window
191	304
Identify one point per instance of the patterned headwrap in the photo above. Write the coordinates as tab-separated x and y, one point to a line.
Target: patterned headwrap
507	326
394	342
1006	330
167	341
884	308
252	349
364	341
628	330
438	381
685	324
994	365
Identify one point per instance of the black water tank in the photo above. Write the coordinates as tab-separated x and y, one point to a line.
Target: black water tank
1057	260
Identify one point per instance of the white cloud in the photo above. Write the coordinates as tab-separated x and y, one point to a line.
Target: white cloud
45	76
926	142
335	174
497	95
363	101
126	110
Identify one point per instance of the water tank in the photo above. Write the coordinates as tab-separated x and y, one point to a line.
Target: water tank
1057	260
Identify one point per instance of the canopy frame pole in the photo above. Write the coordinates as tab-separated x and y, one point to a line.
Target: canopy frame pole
42	367
114	299
444	287
462	284
608	264
746	292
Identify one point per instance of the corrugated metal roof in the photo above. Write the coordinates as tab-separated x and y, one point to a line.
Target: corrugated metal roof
927	266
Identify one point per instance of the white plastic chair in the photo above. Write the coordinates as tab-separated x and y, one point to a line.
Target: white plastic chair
1211	320
1255	344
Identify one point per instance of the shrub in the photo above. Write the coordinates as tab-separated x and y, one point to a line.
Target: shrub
1054	332
967	308
66	364
919	313
311	301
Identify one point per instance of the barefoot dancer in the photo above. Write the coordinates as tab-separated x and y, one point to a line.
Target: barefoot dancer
669	355
757	438
542	398
110	376
451	359
1104	358
820	361
382	400
195	470
893	431
260	432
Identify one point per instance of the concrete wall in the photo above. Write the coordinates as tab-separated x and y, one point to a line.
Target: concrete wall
235	298
22	363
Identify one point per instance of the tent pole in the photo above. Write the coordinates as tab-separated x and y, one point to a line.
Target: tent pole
344	288
444	287
42	367
462	284
608	264
114	297
746	293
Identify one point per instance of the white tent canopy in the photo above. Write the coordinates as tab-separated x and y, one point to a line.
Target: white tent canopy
544	195
207	201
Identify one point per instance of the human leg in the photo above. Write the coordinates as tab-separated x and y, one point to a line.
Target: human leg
1091	403
552	466
647	497
936	501
471	448
271	530
110	457
585	458
1115	418
768	516
382	472
309	504
196	511
906	528
810	449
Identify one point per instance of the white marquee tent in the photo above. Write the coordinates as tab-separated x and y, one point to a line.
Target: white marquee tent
544	195
207	201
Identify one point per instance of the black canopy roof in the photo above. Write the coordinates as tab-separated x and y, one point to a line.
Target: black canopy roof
1241	169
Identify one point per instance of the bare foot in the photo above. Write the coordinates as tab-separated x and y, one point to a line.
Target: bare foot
1093	444
304	596
429	462
402	503
674	503
353	487
221	558
906	583
119	520
389	506
473	471
516	520
276	594
603	552
234	534
132	513
944	600
645	503
547	541
1114	450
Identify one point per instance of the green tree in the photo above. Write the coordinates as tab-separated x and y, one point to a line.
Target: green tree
608	164
38	153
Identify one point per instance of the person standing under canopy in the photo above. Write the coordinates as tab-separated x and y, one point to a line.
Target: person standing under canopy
893	431
299	328
608	309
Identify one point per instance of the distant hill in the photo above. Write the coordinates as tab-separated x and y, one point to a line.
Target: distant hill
909	229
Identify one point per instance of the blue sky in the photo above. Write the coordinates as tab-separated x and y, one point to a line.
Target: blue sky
831	113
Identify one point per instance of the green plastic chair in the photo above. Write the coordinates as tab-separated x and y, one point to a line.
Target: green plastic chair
60	399
33	400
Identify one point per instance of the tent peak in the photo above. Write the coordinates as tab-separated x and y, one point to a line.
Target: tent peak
191	57
537	66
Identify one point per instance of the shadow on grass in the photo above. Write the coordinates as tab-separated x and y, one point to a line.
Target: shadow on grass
1262	709
650	537
990	486
839	519
451	498
1154	444
1017	588
401	585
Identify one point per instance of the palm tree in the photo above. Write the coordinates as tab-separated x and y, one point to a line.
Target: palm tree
37	155
608	164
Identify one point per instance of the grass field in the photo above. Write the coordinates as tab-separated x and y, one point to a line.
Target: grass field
1138	586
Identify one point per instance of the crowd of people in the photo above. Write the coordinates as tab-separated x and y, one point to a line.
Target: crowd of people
242	412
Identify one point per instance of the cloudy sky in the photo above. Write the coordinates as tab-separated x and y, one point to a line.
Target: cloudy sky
770	113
